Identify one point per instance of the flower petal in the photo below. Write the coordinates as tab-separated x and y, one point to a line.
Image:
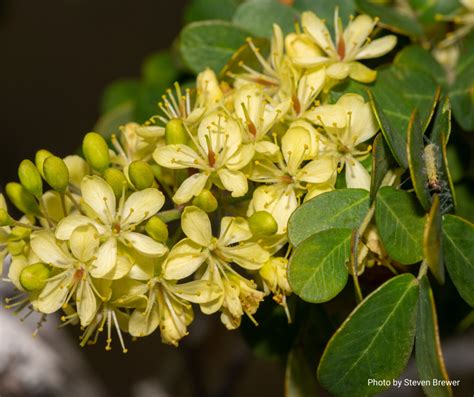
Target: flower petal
100	197
317	30
84	242
234	181
355	35
183	260
106	258
144	244
191	187
142	325
140	206
196	225
250	256
378	47
86	303
318	171
234	230
45	246
199	291
338	70
362	73
67	225
177	157
54	294
356	175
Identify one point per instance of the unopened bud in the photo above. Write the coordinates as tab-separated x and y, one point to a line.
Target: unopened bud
30	178
34	277
16	247
56	173
141	175
5	218
206	201
22	198
175	132
41	156
96	151
116	179
157	229
262	223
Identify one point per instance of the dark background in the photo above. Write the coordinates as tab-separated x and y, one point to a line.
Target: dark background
56	58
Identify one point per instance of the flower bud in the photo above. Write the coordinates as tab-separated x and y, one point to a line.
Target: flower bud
206	201
56	173
5	218
175	132
157	229
16	247
116	179
262	223
41	156
30	178
22	198
96	151
141	175
33	277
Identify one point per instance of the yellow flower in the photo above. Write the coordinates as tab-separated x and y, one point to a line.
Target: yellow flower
347	124
115	225
317	48
218	156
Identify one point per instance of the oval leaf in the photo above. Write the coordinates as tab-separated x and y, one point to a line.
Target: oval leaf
342	208
317	270
429	357
210	44
374	342
400	222
458	245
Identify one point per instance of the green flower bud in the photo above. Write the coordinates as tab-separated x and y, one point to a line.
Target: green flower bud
16	247
5	219
157	229
56	173
22	198
96	151
41	156
33	277
30	178
116	179
141	175
175	132
206	201
262	223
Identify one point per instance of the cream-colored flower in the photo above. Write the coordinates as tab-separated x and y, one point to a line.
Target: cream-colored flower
72	277
169	307
213	258
257	116
115	225
218	156
298	169
341	58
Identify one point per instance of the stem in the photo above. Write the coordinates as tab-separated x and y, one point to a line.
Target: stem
170	215
354	263
63	203
366	220
73	200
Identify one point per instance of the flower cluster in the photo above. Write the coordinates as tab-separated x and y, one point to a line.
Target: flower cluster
192	207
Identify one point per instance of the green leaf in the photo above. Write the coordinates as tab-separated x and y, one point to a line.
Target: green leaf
416	163
400	222
429	357
382	161
416	57
258	17
159	68
325	9
345	87
458	245
201	10
119	92
374	342
299	376
210	44
427	11
432	241
343	208
462	91
392	18
317	270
